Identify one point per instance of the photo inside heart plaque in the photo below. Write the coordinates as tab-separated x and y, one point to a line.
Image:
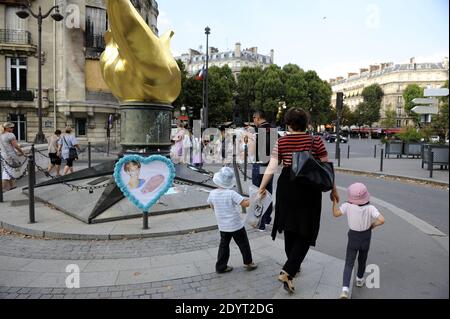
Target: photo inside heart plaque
144	180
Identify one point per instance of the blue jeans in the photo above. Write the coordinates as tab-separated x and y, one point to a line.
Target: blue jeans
257	177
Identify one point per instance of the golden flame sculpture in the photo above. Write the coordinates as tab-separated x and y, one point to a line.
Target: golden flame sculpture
136	64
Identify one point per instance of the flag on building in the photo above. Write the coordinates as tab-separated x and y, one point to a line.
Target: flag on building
201	74
110	121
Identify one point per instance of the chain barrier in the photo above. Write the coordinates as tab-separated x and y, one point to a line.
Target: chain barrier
210	177
13	166
72	186
242	171
5	164
42	154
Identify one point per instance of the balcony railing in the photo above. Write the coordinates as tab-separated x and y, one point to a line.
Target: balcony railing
14	95
15	36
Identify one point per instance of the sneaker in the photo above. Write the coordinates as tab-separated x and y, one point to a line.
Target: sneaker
228	269
251	267
360	282
344	294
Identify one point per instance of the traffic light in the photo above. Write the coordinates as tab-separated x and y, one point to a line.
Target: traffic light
339	101
190	111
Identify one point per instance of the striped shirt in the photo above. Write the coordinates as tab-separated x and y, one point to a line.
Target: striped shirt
227	208
288	144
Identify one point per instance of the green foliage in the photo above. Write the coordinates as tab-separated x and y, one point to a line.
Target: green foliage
412	92
368	112
246	89
373	95
260	89
390	119
410	135
181	98
440	122
221	88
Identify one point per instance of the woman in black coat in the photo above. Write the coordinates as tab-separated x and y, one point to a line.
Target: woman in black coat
298	206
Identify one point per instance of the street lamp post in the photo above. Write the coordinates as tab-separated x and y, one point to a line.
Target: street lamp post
205	117
24	13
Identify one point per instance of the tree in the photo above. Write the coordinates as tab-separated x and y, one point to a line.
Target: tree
221	87
368	112
390	119
440	121
412	92
181	98
269	91
246	89
192	95
347	116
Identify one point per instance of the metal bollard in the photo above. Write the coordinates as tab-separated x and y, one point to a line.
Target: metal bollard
89	154
430	162
145	221
339	156
245	162
31	183
348	152
1	181
382	158
375	152
236	172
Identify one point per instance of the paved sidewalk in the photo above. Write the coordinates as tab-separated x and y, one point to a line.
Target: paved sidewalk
158	272
406	168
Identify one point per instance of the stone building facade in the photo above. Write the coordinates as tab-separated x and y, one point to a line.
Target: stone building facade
74	93
393	79
239	58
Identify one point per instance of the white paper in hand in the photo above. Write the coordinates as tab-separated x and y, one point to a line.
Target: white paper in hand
258	206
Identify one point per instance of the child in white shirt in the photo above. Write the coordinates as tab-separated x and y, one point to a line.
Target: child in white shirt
360	215
227	204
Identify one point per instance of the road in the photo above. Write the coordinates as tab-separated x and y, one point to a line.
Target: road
358	148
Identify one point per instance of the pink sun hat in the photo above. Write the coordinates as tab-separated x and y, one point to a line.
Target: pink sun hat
358	194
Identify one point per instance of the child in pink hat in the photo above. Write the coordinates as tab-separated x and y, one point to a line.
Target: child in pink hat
362	218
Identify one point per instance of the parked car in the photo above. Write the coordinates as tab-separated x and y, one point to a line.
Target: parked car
332	139
434	139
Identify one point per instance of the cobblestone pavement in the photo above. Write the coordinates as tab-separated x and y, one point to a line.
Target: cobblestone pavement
262	284
17	246
239	284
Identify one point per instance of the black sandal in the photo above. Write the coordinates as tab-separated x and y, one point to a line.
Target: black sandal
287	282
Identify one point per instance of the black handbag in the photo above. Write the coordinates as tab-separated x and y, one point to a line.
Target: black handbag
72	151
308	170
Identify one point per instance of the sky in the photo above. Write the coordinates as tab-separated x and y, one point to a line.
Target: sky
332	37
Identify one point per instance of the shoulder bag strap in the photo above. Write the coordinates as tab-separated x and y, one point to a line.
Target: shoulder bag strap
312	145
67	143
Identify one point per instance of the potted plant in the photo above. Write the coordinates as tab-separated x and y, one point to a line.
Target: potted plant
412	142
394	146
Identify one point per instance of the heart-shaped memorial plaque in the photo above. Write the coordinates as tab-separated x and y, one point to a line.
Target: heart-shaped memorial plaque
144	180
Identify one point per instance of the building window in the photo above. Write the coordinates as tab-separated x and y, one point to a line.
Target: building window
399	123
16	74
12	21
80	127
20	126
96	26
